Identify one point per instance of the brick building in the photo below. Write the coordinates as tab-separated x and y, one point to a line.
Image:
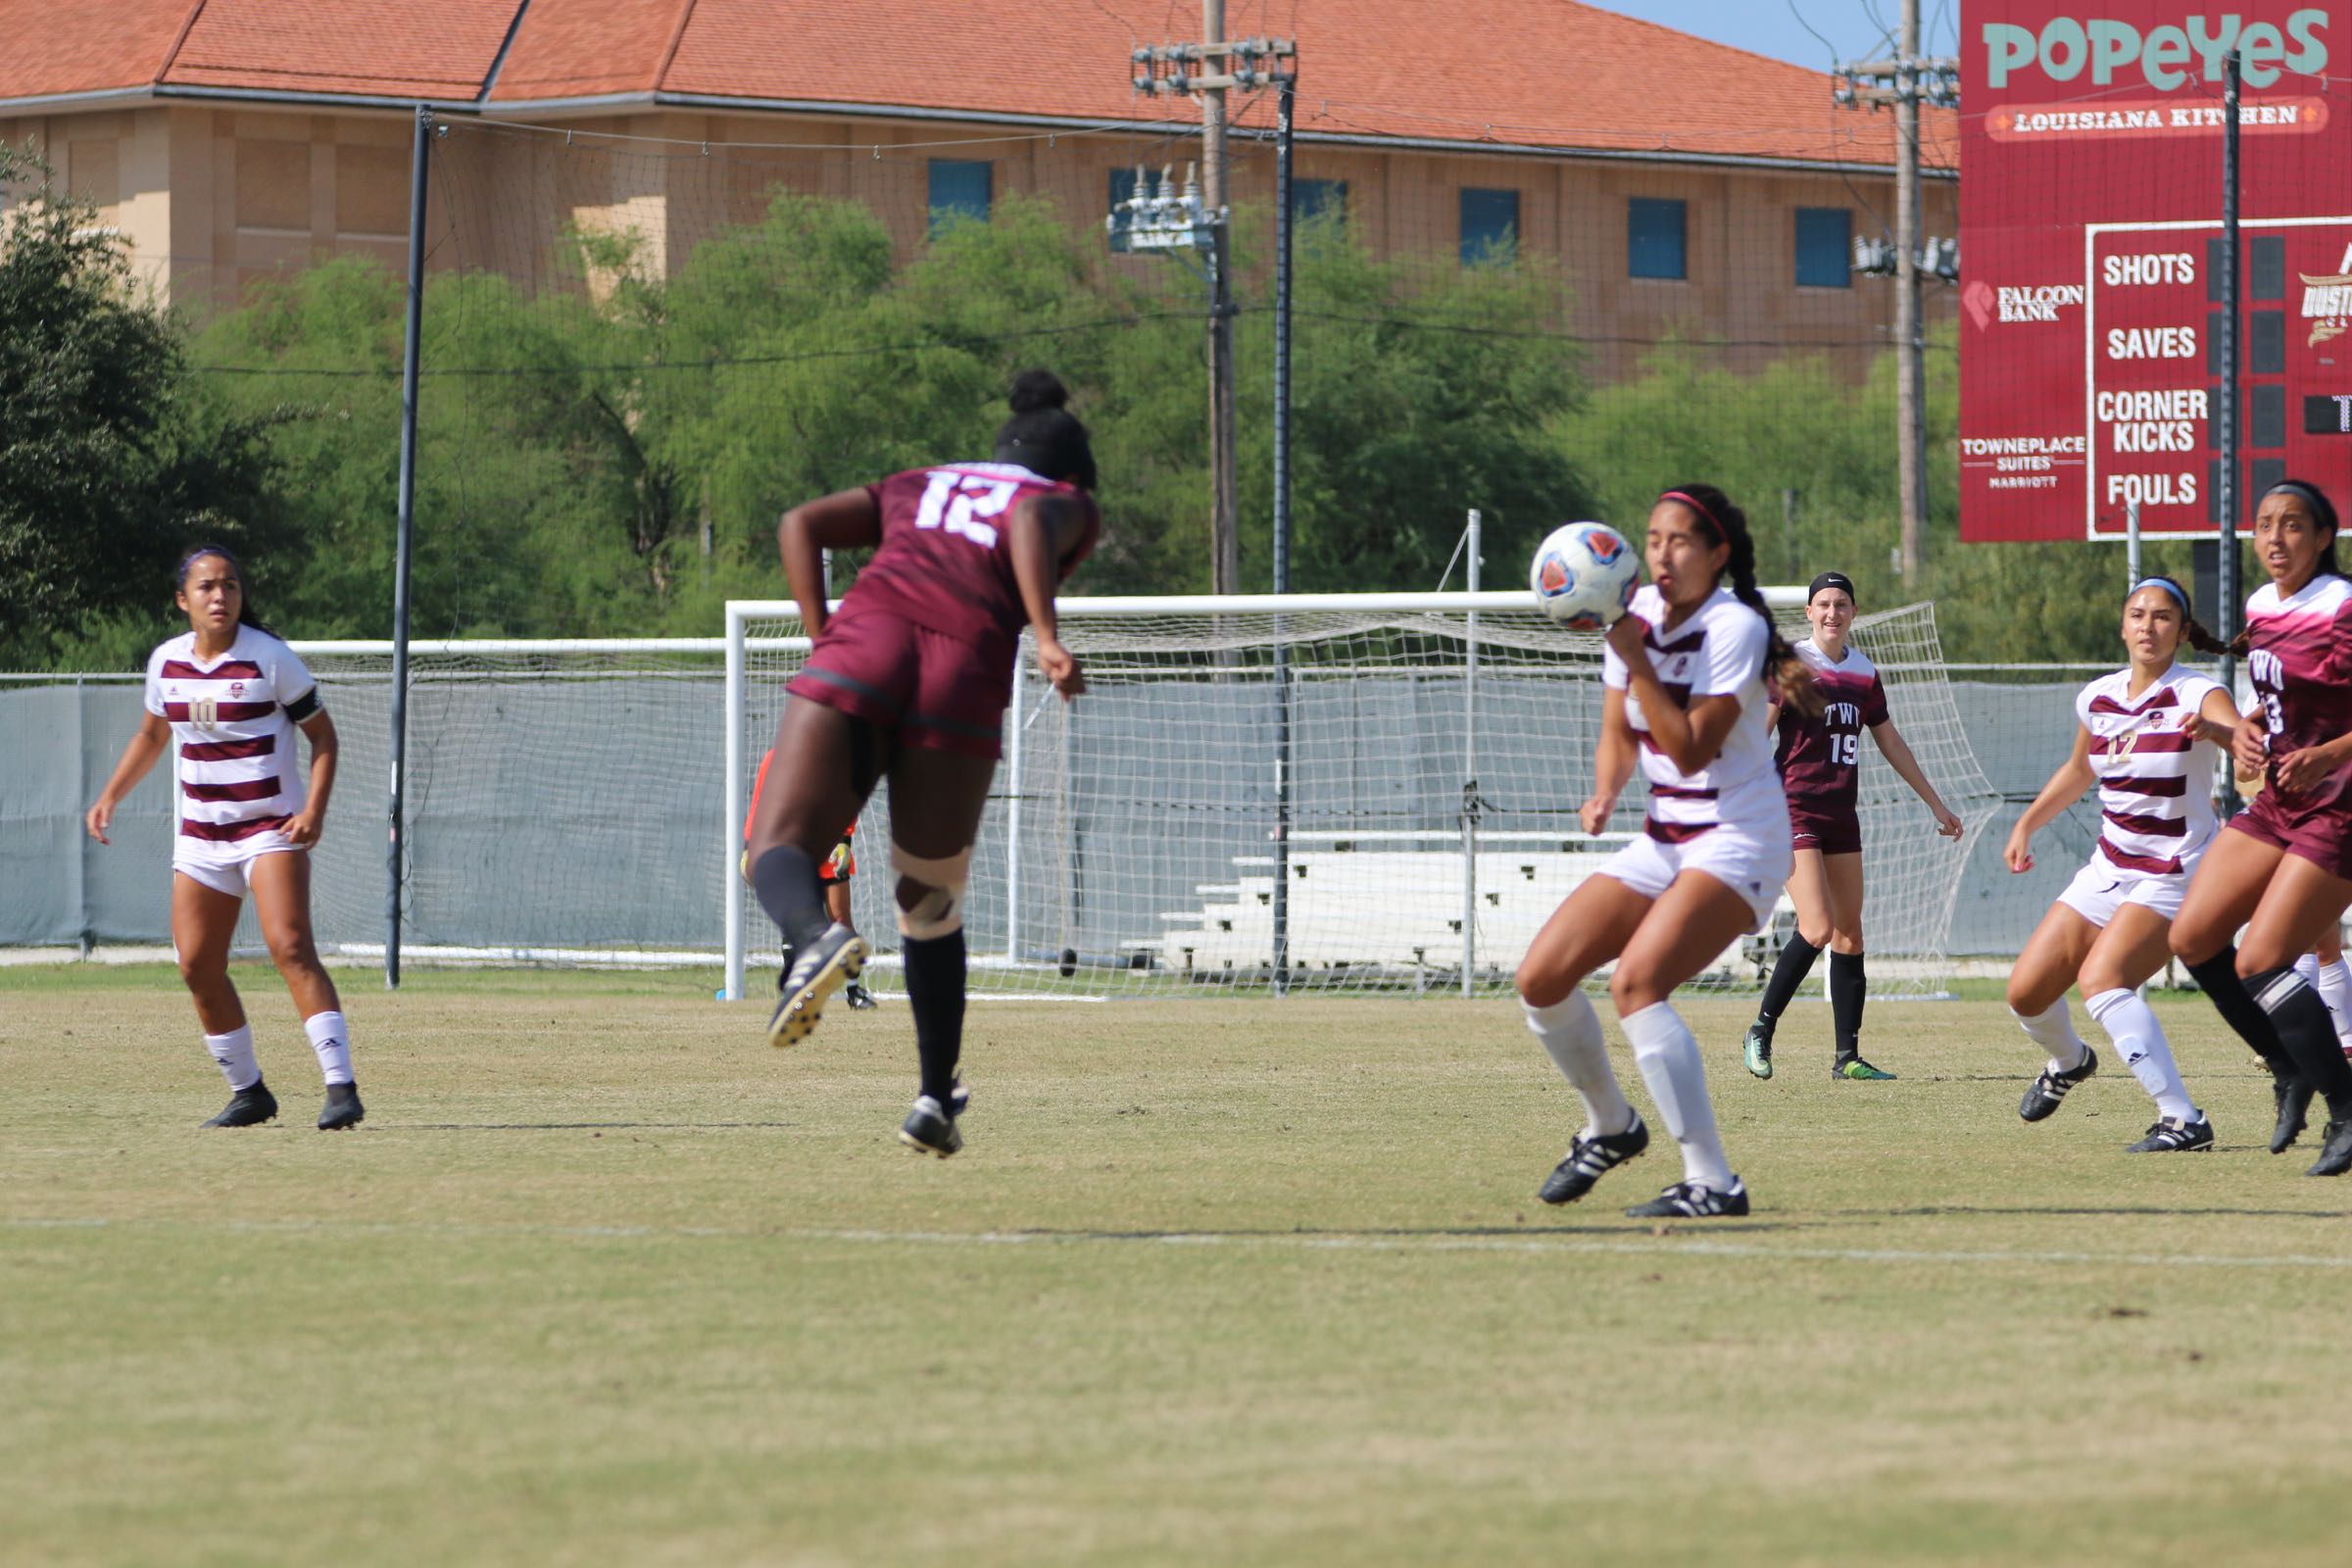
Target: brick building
1685	187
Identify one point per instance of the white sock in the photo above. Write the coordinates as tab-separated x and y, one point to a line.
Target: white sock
330	1037
1668	1056
2307	966
1571	1034
2131	1024
234	1053
2054	1032
2335	989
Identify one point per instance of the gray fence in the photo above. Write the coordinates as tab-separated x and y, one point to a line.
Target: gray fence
589	817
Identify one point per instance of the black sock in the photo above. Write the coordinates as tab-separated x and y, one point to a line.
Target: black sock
785	879
2217	978
1849	985
2309	1035
1797	962
935	968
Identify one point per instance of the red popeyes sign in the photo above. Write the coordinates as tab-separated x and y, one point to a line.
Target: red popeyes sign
2089	216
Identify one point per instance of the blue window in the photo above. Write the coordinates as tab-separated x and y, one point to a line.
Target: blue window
1654	238
959	189
1311	199
1825	243
1489	225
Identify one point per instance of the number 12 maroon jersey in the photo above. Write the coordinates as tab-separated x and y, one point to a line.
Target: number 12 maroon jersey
946	556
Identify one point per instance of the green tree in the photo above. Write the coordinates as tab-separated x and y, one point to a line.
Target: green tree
111	458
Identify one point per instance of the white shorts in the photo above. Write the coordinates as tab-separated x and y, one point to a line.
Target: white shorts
2103	887
228	869
1751	865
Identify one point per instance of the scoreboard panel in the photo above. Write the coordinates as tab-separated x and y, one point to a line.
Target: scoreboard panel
2090	201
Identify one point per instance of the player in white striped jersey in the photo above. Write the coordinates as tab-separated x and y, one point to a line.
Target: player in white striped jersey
2149	736
1687	695
230	696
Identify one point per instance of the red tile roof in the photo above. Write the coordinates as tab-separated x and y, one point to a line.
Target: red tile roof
64	46
1545	73
1525	73
403	48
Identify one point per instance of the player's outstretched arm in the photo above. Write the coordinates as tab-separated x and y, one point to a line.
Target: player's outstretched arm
1046	529
847	519
2066	786
325	748
145	746
1612	763
1897	753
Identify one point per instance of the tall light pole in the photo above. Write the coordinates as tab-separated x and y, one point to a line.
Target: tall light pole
1208	70
1902	82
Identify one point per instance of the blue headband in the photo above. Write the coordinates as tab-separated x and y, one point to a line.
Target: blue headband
2165	583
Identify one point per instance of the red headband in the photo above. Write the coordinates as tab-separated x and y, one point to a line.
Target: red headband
1696	504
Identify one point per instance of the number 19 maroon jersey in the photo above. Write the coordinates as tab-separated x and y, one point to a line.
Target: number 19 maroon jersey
1820	757
946	556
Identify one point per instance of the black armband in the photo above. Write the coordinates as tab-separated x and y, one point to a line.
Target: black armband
303	707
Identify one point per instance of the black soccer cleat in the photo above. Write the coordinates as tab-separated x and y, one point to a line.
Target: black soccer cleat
2044	1093
2291	1093
1756	1051
342	1108
929	1130
823	967
857	997
2172	1137
2336	1151
1690	1200
249	1106
1590	1158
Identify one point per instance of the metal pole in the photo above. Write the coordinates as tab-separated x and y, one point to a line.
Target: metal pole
2225	414
1282	538
732	846
405	550
2131	546
1911	377
1012	808
1225	546
1470	767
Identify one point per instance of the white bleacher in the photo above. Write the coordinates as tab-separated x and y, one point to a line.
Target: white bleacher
1358	902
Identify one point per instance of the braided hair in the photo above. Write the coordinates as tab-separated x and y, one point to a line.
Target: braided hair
247	615
1724	524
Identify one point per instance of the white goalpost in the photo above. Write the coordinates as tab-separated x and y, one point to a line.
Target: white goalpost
1344	792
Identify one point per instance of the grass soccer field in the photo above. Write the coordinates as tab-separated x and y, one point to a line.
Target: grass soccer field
604	1279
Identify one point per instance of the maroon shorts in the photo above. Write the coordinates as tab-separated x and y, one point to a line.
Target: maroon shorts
2323	837
925	687
1830	832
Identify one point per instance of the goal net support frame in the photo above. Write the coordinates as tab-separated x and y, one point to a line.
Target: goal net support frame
1383	697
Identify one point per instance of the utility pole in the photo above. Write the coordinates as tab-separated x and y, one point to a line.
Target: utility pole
1903	81
1208	70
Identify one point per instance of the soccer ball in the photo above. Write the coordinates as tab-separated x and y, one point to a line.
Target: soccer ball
1583	575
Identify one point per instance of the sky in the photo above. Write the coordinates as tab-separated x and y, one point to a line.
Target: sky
1780	29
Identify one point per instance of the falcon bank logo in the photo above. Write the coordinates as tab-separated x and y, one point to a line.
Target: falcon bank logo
2101	51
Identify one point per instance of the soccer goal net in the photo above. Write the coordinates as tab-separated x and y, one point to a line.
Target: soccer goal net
1330	793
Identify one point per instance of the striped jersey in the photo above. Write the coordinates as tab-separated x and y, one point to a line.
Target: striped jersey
2155	783
235	740
1718	651
2301	668
1820	757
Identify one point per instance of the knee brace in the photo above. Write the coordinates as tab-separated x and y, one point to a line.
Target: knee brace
939	912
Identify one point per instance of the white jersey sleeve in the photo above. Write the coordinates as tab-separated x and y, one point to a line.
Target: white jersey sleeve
1734	654
289	677
155	679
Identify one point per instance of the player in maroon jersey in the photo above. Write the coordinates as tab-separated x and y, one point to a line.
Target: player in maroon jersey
908	682
1820	761
2284	870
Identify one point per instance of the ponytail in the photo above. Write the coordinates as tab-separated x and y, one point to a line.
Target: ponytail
1726	524
247	615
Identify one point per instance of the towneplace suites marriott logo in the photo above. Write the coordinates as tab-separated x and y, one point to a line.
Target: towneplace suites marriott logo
1987	304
